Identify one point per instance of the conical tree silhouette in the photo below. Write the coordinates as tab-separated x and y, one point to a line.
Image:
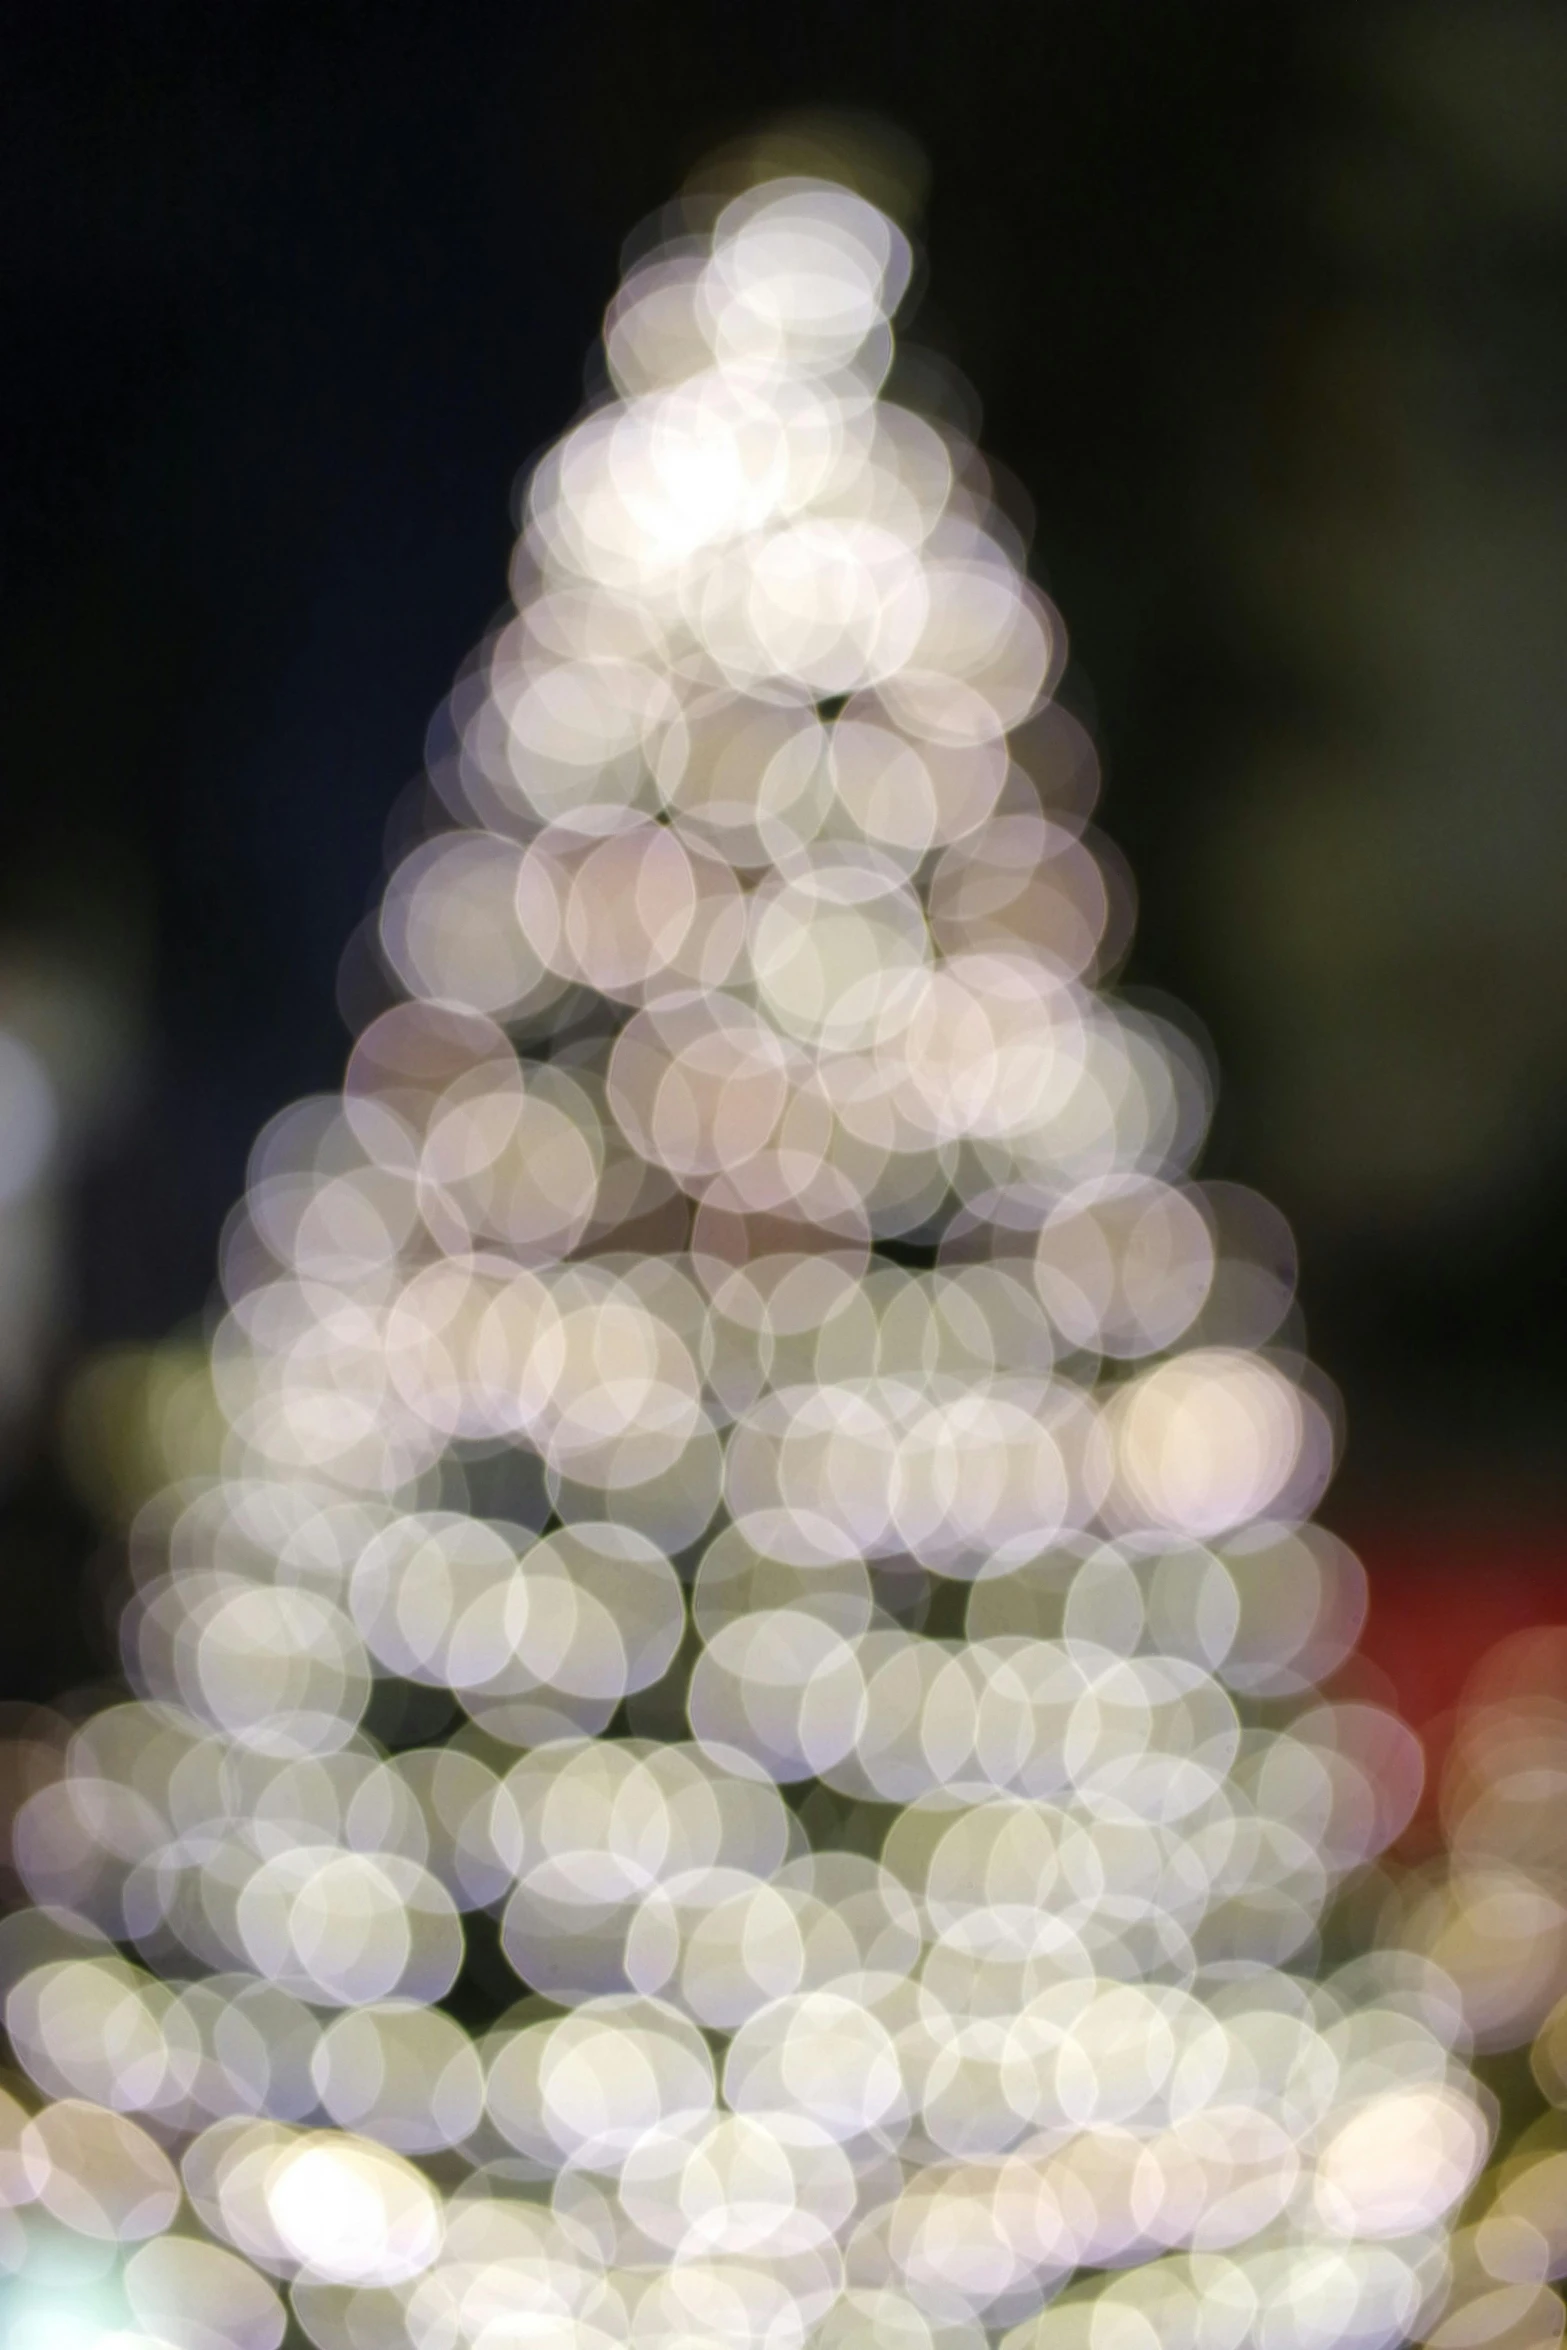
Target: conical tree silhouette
763	1510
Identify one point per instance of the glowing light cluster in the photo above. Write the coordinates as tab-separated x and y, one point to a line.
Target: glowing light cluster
867	1698
1490	1909
1493	1911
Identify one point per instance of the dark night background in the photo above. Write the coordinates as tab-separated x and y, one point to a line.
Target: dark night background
1267	308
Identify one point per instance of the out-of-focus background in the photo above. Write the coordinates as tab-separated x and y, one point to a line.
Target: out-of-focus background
1267	309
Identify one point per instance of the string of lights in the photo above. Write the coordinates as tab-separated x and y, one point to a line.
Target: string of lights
757	1487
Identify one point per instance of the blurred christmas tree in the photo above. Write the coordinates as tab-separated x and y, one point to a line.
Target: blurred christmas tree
728	1752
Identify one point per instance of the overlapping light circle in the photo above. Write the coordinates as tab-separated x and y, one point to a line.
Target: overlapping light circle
757	1478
